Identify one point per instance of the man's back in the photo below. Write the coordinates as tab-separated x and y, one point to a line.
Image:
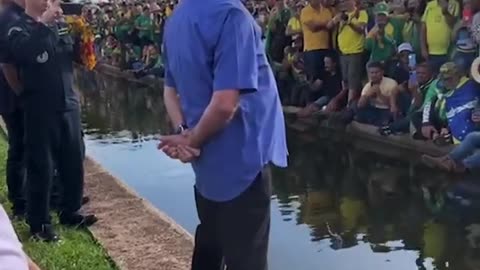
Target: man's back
215	45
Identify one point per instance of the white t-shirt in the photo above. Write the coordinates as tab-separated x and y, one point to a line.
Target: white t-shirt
11	253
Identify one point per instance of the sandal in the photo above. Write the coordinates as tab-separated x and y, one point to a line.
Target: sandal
443	140
385	131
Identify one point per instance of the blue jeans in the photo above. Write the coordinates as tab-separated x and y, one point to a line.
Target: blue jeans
467	152
322	101
373	116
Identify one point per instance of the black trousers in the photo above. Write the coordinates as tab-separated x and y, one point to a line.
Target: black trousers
16	159
55	198
314	63
53	139
234	233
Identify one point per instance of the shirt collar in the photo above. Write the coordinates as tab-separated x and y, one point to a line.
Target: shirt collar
15	7
427	84
463	80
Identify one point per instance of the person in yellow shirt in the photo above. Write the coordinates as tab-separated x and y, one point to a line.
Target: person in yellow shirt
294	26
169	9
351	22
315	19
438	20
374	104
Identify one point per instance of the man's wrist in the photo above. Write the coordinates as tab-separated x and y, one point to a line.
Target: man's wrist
194	140
181	128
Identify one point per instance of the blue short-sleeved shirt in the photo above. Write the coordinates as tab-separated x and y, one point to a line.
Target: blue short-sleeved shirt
214	45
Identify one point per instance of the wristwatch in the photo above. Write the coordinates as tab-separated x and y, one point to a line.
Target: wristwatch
180	129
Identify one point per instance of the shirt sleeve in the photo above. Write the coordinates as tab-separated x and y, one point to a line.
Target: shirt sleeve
363	17
366	89
27	45
291	22
455	9
235	64
4	50
169	80
425	13
11	253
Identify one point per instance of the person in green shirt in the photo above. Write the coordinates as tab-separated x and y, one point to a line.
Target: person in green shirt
380	46
412	28
276	38
144	25
424	91
124	23
392	25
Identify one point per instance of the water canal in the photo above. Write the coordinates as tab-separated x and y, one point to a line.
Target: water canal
334	208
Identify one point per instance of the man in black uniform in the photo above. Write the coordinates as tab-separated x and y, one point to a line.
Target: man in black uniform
43	53
12	113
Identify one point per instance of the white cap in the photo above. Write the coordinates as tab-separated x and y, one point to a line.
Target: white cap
405	47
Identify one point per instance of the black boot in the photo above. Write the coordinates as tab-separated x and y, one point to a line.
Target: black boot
77	220
18	212
44	233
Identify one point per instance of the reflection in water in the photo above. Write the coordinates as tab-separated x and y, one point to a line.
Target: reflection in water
333	208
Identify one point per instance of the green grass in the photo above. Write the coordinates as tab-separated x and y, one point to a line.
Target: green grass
77	249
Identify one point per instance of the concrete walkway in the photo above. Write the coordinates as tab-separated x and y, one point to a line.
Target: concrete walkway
135	234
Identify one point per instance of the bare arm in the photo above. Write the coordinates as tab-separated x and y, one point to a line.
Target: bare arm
11	75
362	102
218	114
235	74
32	265
358	27
423	40
172	104
449	18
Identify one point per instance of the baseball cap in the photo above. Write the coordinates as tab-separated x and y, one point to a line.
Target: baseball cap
405	47
382	8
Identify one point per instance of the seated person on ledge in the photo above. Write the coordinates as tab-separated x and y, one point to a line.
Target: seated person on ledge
416	90
464	157
402	97
329	96
460	98
434	118
373	107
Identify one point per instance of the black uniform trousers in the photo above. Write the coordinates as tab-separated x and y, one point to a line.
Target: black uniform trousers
53	139
234	233
16	159
55	198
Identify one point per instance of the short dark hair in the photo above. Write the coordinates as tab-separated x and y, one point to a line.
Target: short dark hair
424	65
375	64
333	56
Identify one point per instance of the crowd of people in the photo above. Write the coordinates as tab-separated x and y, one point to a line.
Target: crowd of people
128	35
397	65
403	66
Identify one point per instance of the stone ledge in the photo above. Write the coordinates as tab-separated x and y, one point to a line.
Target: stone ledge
135	234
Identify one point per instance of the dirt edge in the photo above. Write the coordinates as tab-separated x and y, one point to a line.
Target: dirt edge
135	234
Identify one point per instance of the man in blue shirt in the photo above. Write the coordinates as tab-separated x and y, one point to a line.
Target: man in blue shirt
221	94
